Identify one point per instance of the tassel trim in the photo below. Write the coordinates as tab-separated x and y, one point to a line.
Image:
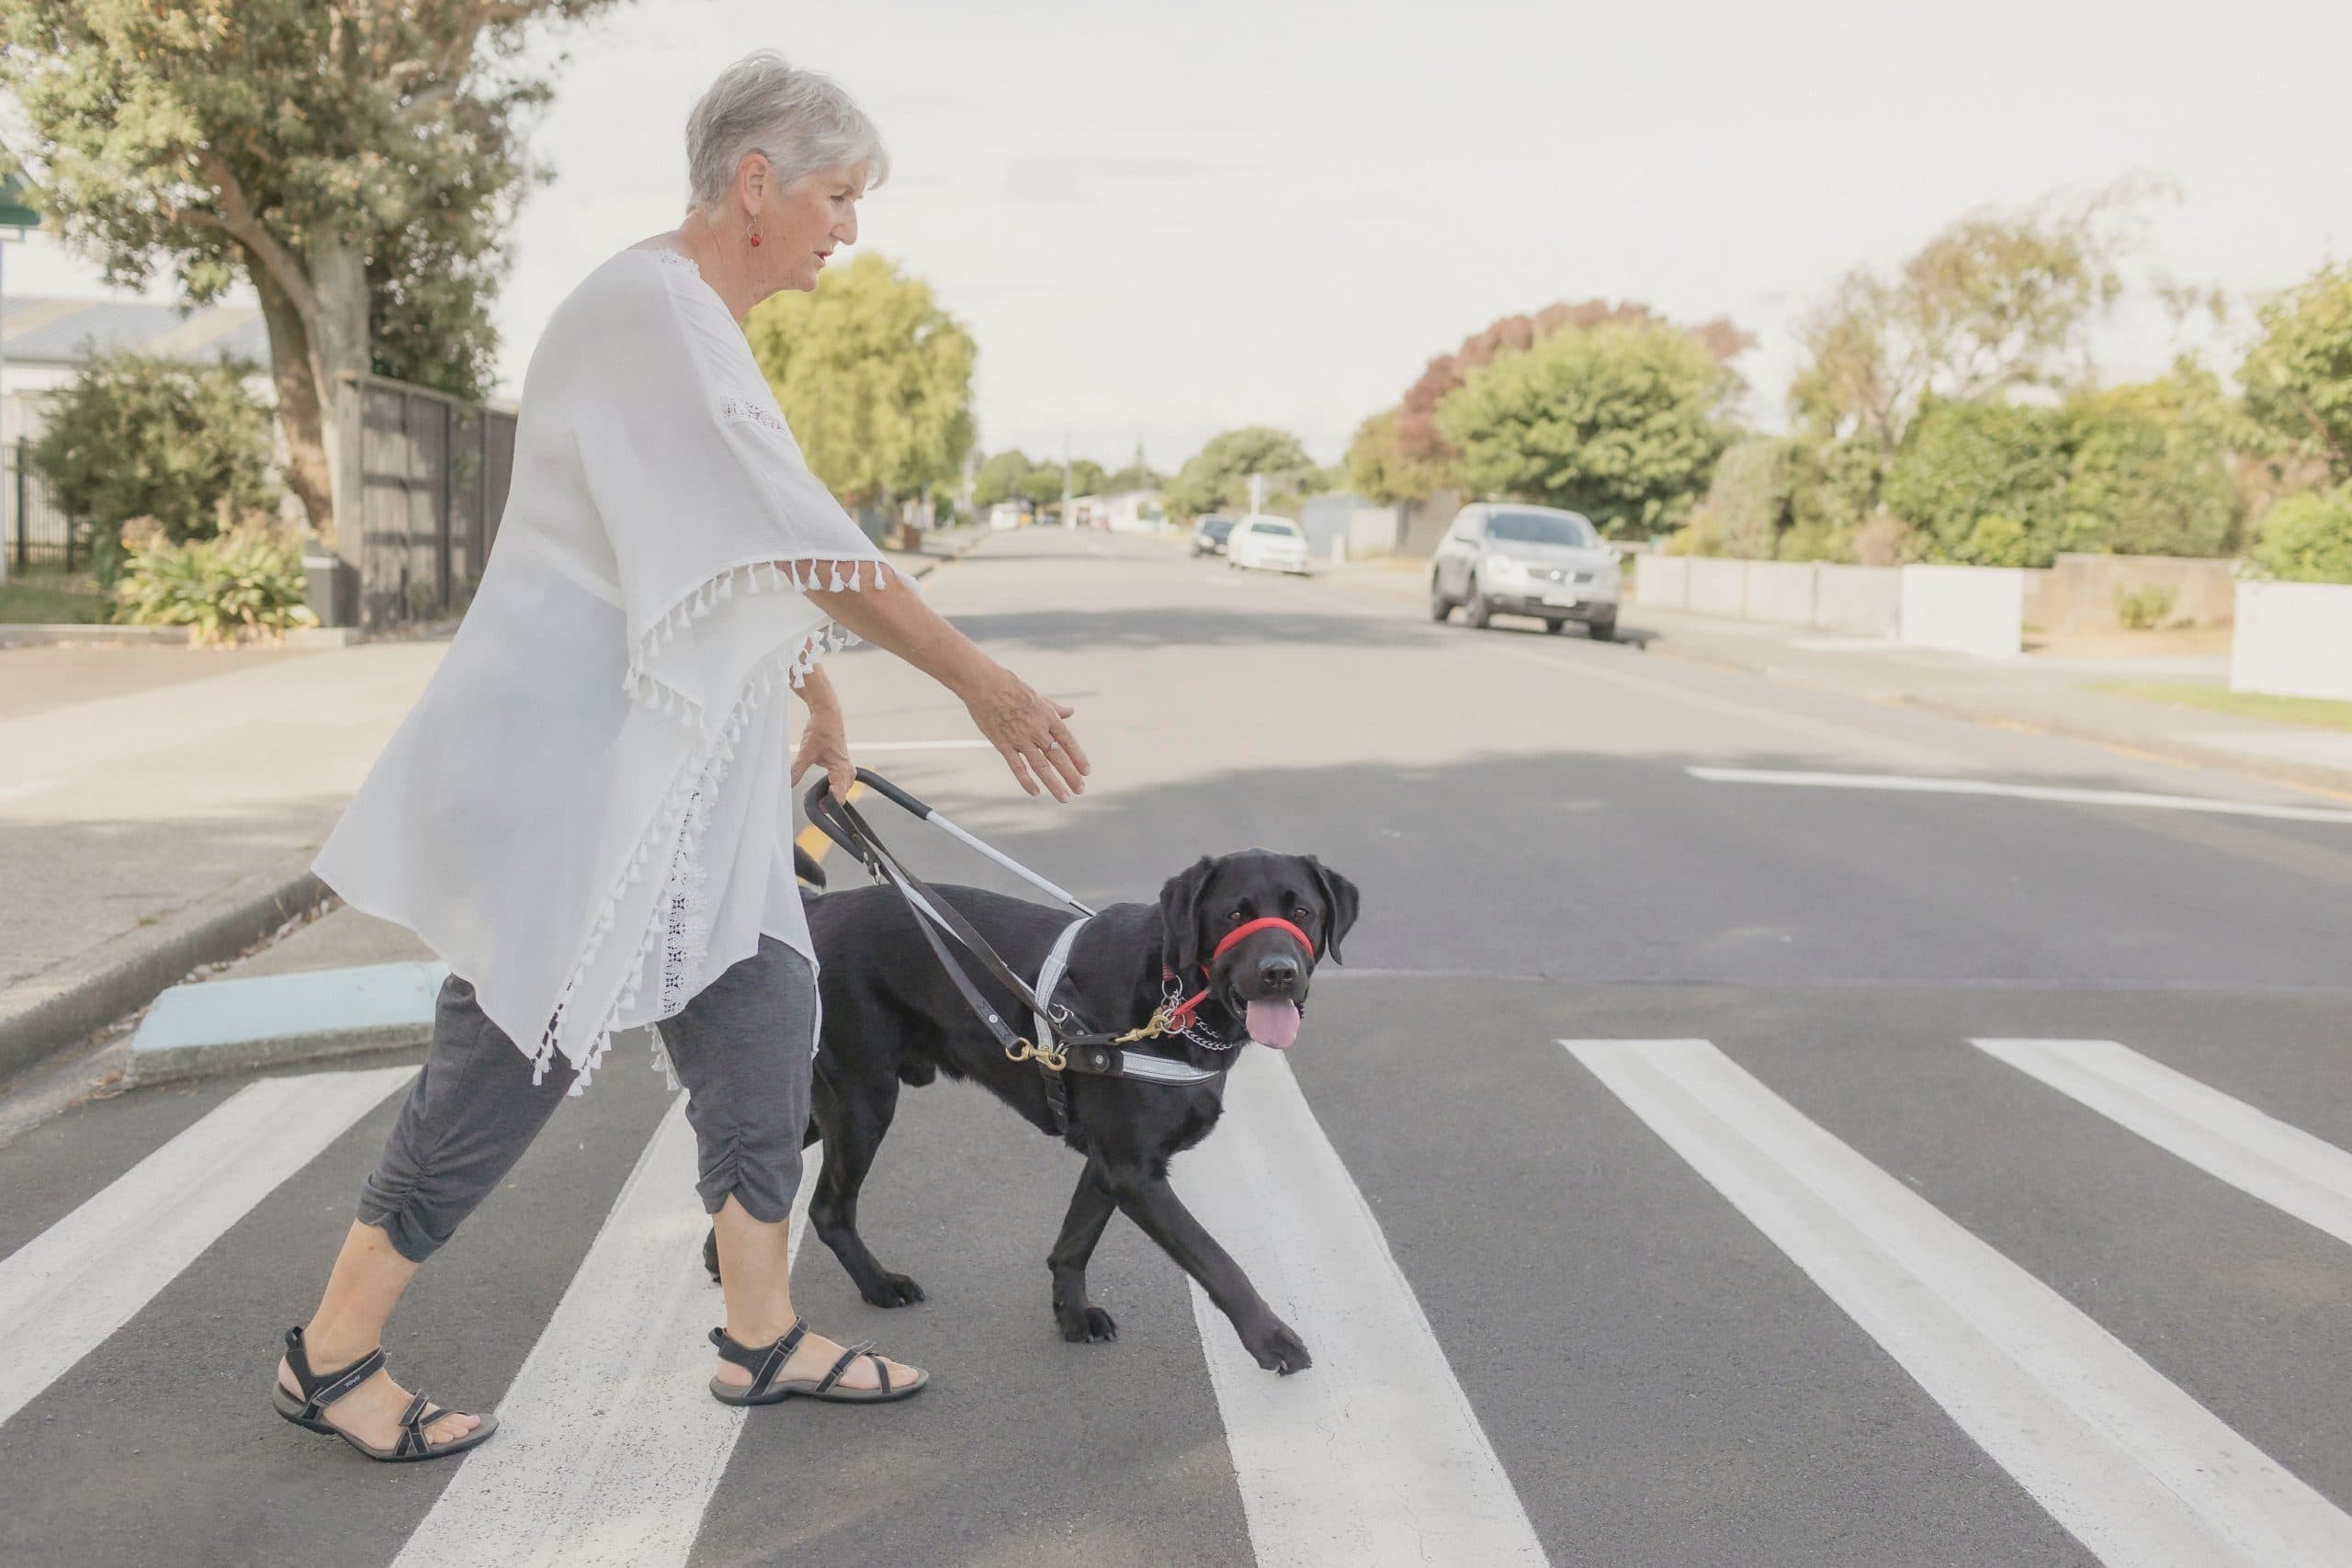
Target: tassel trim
795	576
679	931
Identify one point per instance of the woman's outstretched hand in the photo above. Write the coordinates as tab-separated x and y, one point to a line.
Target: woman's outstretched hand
1028	731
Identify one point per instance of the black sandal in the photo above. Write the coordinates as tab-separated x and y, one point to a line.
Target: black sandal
309	1410
764	1363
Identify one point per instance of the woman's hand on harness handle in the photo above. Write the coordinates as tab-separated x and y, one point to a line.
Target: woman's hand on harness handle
824	740
1029	732
1028	729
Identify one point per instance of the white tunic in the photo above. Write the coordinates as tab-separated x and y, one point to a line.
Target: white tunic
587	813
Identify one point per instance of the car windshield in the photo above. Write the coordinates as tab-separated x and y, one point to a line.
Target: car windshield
1217	527
1540	528
1277	525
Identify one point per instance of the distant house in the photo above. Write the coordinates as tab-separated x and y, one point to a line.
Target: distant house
48	341
1126	512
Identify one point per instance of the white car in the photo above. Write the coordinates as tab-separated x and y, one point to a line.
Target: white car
1503	559
1004	514
1266	542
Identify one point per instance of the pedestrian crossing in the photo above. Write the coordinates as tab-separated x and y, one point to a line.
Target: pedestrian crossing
611	1452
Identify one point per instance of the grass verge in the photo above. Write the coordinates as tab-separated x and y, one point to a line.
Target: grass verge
51	600
2317	711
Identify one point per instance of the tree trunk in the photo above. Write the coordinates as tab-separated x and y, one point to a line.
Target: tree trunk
338	354
297	402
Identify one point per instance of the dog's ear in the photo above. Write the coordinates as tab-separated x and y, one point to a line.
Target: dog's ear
1339	904
1179	910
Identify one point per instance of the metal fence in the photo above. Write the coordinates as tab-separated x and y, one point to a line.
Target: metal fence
40	533
434	476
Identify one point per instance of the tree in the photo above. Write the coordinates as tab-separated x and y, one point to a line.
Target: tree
1995	302
1086	477
185	445
1042	484
1965	464
999	478
1377	471
1216	478
2298	380
356	163
2151	470
1418	437
873	377
1618	422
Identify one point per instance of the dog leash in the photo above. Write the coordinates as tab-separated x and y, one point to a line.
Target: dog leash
1065	1043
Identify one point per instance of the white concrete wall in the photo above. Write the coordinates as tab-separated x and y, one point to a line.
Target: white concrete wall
1865	601
1663	582
1964	609
2293	639
1718	587
1780	591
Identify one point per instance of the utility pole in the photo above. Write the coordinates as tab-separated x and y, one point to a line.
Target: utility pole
1067	521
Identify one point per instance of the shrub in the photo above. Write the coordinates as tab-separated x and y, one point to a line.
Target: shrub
2144	608
133	437
247	582
2308	537
1984	482
1748	496
2150	468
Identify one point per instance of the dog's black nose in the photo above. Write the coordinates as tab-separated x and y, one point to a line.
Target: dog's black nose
1279	971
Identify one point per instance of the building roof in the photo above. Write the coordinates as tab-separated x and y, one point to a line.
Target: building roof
68	332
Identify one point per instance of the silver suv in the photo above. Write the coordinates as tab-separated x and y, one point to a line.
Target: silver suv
1499	559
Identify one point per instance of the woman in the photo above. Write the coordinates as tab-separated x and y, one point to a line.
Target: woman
588	811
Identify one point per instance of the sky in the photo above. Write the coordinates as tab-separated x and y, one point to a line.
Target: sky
1163	221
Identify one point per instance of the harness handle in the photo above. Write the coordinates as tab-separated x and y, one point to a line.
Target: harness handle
823	814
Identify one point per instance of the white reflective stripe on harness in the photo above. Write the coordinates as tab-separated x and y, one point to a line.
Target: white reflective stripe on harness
1160	1069
1057	965
1131	1063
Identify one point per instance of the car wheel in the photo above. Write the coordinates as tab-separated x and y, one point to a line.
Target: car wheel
1441	607
1602	631
1554	623
1478	611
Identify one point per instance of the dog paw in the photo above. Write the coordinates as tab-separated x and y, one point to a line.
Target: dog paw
1276	1348
1090	1326
896	1291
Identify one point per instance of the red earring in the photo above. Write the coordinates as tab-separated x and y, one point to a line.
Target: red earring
755	239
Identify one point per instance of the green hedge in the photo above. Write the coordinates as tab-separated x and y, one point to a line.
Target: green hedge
2308	539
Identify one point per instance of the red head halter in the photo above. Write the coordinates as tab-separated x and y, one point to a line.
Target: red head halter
1181	1016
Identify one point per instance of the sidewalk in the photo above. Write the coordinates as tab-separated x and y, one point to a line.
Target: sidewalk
2058	695
160	807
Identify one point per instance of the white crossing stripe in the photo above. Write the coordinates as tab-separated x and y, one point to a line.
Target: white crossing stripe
2256	1152
66	1291
2138	1471
1905	784
1372	1456
609	1444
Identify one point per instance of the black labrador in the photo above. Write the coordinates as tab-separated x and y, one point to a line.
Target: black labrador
893	1017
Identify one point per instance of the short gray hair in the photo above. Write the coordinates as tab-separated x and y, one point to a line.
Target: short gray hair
801	119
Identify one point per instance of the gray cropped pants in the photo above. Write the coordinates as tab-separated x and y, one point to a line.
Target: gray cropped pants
743	1048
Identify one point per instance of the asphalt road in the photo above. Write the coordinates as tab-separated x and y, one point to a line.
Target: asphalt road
1799	1276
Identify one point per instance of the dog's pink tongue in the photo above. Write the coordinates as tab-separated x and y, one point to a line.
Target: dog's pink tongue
1273	1021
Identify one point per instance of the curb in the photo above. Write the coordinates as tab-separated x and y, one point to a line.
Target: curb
60	1011
230	1025
2330	780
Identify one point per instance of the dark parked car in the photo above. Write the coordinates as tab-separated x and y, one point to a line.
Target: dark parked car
1210	534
